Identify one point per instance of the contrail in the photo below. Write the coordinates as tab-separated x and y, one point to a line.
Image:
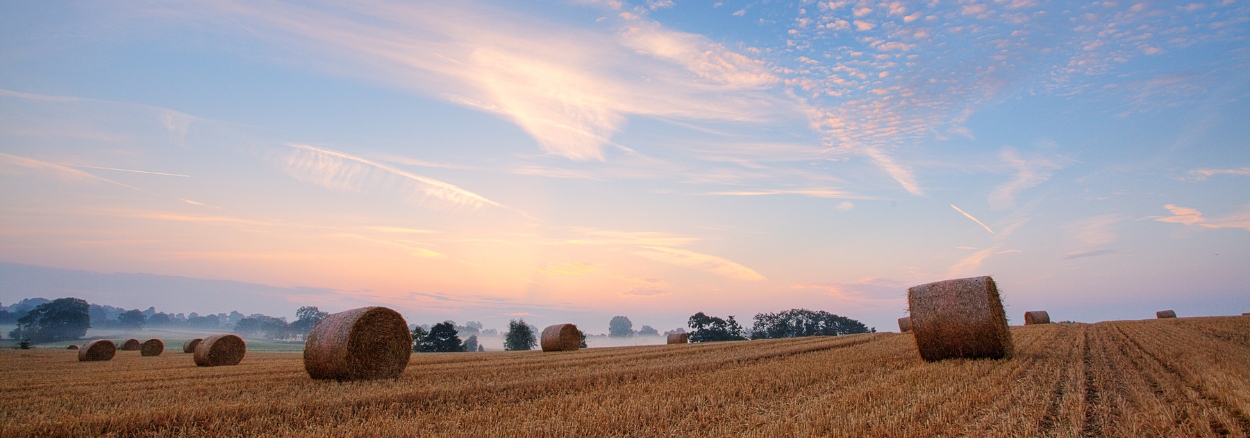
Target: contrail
987	228
128	170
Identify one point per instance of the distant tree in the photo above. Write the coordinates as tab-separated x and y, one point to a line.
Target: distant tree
647	330
582	335
420	340
802	322
24	344
470	344
7	317
159	319
61	319
520	336
469	328
480	348
306	318
262	327
209	321
620	327
678	330
443	337
131	320
713	329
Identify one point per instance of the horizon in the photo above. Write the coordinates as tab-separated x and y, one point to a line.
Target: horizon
575	160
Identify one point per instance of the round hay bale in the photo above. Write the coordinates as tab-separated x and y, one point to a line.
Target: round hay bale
561	337
189	346
1036	317
72	347
130	345
1165	314
364	343
961	318
904	324
100	349
152	347
679	338
220	350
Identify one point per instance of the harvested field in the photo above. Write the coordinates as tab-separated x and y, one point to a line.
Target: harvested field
1173	377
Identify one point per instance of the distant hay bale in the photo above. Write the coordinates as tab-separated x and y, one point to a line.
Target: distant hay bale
1036	317
961	318
189	346
100	349
72	347
679	338
364	343
561	337
152	347
1165	314
220	350
130	345
904	324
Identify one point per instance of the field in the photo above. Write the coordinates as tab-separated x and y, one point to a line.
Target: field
1181	377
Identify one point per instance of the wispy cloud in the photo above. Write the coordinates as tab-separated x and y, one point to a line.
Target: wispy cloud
1088	237
569	88
813	192
348	173
576	269
705	262
971	264
1029	173
1204	173
978	221
863	291
1190	216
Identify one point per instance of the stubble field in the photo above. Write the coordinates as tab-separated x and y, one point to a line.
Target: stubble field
1181	377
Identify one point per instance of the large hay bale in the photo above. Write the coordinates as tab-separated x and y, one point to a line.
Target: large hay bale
100	349
1036	317
152	347
561	337
130	345
220	350
1165	314
364	343
72	347
679	338
961	318
189	346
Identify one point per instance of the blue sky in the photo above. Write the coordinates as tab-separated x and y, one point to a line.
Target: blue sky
568	161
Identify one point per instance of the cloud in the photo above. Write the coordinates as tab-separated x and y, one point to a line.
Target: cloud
1204	173
570	89
863	291
1190	216
145	172
646	287
1029	173
844	206
971	264
704	262
575	269
347	173
813	192
1094	231
978	221
900	173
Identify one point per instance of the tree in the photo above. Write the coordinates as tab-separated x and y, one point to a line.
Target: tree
620	327
480	348
519	337
443	337
306	318
471	343
647	330
420	340
581	334
131	319
712	329
803	322
57	320
160	319
262	327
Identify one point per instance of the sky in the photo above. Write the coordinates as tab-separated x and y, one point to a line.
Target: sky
572	160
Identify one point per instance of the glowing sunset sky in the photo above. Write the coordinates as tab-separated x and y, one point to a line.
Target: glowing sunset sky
568	161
